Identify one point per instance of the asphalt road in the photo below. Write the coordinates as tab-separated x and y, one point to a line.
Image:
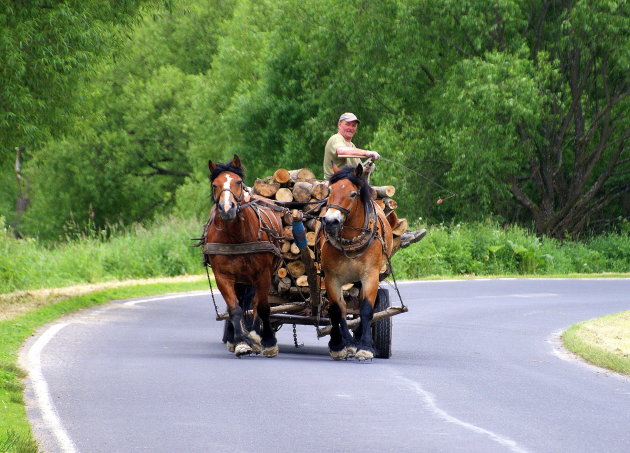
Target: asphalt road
476	368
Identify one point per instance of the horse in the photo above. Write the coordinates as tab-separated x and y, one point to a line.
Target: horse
241	244
354	243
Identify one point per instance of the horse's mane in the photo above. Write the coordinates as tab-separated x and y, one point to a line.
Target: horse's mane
347	172
220	168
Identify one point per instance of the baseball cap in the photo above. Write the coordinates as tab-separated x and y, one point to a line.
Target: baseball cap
349	117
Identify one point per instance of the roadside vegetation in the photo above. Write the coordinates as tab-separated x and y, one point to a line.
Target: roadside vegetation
15	433
164	249
603	341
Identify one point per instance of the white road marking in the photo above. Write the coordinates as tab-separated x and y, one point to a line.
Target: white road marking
558	349
43	399
521	296
429	401
40	387
132	303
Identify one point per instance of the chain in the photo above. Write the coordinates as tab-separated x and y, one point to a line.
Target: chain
214	302
295	341
394	279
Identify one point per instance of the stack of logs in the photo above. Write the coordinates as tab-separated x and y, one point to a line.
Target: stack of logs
302	189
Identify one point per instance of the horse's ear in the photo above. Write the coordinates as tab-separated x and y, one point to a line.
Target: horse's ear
236	161
211	166
335	169
358	172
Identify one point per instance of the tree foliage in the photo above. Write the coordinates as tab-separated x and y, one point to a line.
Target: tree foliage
520	108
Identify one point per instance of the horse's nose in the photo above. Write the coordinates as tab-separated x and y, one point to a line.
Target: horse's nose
331	225
229	214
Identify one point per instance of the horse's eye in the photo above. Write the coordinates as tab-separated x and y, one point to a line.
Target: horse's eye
353	194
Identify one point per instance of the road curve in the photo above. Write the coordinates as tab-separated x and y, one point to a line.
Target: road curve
476	368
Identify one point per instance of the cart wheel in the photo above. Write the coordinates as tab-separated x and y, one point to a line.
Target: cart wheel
382	330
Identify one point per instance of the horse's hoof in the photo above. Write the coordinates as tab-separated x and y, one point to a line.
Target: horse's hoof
256	342
362	355
230	346
339	355
242	349
271	351
352	351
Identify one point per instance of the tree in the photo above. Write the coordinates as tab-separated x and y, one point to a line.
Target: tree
540	117
45	48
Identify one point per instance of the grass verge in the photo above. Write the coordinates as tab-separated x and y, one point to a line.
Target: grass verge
603	341
15	432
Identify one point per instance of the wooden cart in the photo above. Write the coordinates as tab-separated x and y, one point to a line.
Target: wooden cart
298	297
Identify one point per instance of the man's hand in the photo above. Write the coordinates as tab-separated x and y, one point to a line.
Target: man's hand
373	155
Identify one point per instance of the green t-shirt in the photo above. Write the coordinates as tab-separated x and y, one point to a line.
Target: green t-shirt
330	154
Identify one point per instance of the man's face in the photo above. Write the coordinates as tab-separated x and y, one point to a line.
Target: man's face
347	129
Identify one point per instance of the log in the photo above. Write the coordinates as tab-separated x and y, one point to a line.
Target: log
387	313
285	247
290	256
284	285
312	224
302	280
293	306
320	190
287	219
282	272
384	191
347	286
303	174
310	238
302	191
294	248
284	194
281	176
401	226
390	205
265	188
296	268
287	231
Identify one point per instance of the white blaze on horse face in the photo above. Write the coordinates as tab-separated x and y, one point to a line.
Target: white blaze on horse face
333	214
226	193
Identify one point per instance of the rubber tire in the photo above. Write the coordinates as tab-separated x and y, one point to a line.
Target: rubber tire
382	330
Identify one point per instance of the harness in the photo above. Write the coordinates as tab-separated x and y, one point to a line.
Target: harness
359	244
265	223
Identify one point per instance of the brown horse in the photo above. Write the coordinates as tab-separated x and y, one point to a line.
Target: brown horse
354	242
241	245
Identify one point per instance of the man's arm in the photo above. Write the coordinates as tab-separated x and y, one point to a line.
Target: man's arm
347	151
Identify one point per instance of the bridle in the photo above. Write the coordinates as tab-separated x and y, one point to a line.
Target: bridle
345	211
359	244
238	199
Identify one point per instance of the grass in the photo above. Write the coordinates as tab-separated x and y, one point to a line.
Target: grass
603	341
15	433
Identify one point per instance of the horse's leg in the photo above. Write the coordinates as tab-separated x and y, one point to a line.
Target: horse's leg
226	287
365	348
261	306
245	294
340	336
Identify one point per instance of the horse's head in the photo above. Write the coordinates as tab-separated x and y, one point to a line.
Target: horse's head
348	189
227	187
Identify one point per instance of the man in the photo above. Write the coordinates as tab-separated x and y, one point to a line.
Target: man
341	151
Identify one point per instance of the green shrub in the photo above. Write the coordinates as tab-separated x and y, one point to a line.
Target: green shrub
164	249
